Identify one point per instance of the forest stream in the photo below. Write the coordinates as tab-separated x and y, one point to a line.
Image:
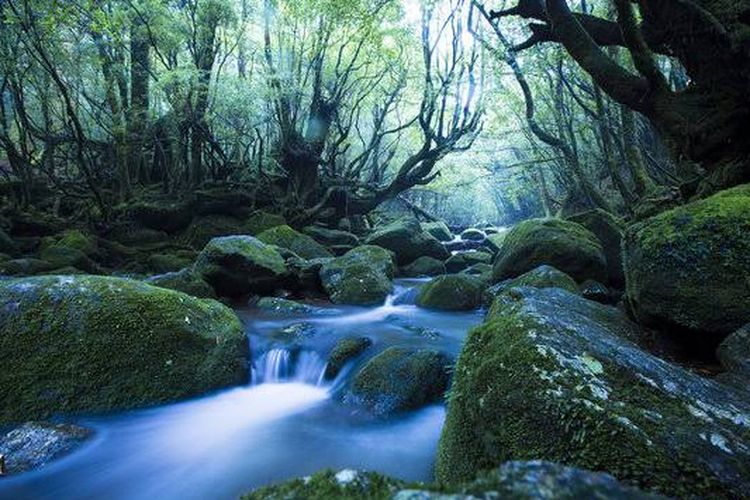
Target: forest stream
286	423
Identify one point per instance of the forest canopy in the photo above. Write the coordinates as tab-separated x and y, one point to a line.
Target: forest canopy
325	109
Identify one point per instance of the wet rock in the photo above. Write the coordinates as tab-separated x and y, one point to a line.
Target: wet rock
690	267
451	292
400	379
565	245
326	485
343	352
240	265
362	276
734	355
301	244
186	281
423	266
407	241
609	230
283	307
439	230
89	343
473	235
541	277
552	376
463	260
36	444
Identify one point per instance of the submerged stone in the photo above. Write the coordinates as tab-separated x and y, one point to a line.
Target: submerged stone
36	444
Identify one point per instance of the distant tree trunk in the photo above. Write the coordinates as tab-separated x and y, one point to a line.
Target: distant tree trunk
643	182
140	74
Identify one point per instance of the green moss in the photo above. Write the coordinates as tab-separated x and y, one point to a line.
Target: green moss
609	230
361	276
439	230
300	244
406	239
90	343
463	260
424	266
329	485
239	265
451	292
545	379
344	351
568	246
260	221
691	266
170	262
186	281
400	379
25	267
541	277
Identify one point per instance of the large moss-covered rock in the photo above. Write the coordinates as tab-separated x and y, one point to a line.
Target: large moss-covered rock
568	246
301	244
439	230
343	352
495	241
331	237
92	343
609	230
535	480
362	276
451	292
260	221
239	265
473	234
73	238
541	277
464	260
186	281
690	266
400	379
407	241
423	266
551	376
36	444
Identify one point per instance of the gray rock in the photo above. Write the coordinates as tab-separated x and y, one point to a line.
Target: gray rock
36	444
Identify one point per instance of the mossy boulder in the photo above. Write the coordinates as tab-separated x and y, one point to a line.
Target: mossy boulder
565	245
73	238
259	221
690	267
332	237
451	292
407	241
473	234
186	281
90	343
552	376
534	480
609	230
439	230
61	256
240	265
362	276
400	379
36	444
171	261
345	350
301	244
25	267
495	241
464	260
541	277
423	266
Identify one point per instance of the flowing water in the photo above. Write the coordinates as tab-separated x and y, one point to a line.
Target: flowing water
286	423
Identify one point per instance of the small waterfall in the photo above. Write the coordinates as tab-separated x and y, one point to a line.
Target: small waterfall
282	365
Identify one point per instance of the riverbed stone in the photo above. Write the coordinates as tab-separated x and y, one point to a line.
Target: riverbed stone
400	379
345	350
439	230
690	267
301	244
552	376
464	260
283	307
451	292
473	234
565	245
362	276
186	281
239	265
36	444
406	239
423	266
90	343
